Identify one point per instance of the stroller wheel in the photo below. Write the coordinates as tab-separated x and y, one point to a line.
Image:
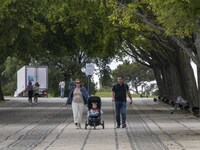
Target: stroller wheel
94	126
86	125
103	124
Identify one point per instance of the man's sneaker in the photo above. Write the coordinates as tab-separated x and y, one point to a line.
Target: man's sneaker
124	126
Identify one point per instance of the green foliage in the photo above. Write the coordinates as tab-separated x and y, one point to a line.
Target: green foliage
104	72
84	26
65	35
105	78
9	74
132	71
63	68
54	78
178	17
18	28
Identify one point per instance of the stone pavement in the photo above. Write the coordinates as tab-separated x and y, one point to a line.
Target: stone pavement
49	126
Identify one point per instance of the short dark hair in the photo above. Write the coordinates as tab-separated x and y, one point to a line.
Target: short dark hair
120	77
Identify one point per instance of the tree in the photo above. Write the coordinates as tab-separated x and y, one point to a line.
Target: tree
146	41
135	73
30	30
16	19
181	18
9	75
80	31
82	26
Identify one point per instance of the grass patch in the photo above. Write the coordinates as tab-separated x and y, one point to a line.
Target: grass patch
103	94
109	94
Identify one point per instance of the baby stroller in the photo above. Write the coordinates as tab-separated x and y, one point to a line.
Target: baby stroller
94	120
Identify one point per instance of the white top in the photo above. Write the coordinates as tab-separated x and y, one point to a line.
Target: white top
62	84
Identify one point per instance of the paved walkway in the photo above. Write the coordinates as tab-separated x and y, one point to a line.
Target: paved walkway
49	126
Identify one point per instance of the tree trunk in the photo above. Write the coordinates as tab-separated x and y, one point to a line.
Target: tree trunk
171	80
197	45
176	79
187	79
157	74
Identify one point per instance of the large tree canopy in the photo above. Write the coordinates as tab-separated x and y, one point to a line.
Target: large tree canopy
179	18
162	35
33	30
17	25
149	39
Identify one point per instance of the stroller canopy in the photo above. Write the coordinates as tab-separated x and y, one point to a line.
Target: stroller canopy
94	99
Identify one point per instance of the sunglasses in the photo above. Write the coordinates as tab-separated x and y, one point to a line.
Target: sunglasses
78	83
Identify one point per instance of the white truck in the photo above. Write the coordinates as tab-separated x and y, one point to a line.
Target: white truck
34	74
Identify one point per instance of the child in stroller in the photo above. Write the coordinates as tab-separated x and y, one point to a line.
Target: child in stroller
94	112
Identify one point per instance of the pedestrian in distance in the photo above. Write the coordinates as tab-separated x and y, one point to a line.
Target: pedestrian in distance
29	88
36	92
71	83
78	97
119	92
62	88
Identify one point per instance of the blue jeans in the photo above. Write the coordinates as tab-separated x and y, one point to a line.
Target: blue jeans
120	108
62	92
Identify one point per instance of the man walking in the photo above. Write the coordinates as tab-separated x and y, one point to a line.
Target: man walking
119	92
71	83
62	88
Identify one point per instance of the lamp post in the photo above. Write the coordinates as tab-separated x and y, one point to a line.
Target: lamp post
89	72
